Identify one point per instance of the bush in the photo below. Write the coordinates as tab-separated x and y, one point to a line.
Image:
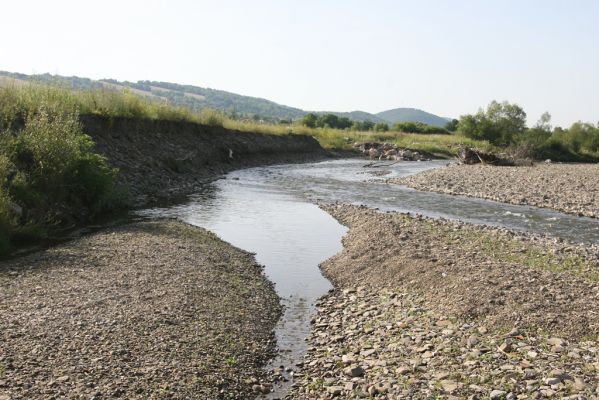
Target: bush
208	116
501	124
418	127
452	125
49	176
5	217
380	127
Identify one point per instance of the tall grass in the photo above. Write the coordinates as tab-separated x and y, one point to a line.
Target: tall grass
50	177
18	101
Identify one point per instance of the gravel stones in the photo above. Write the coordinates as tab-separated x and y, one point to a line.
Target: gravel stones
570	188
479	322
143	311
497	277
402	327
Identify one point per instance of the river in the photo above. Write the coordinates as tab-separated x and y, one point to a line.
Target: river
271	212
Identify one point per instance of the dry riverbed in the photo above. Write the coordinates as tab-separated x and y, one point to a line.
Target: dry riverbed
438	309
570	188
148	310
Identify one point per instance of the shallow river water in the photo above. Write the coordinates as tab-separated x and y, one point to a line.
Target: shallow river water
270	211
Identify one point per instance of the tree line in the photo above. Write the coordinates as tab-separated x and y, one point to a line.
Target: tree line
328	120
504	125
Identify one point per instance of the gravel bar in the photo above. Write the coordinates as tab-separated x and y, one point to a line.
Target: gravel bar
148	310
429	309
570	188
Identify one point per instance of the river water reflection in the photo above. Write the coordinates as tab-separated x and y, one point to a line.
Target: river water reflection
270	211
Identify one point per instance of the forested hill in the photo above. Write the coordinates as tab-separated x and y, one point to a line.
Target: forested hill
198	98
412	114
193	97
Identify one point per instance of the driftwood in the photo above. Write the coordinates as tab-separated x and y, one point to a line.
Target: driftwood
468	155
378	165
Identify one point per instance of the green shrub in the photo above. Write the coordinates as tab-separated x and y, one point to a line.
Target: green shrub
418	127
500	124
211	117
380	127
49	176
5	216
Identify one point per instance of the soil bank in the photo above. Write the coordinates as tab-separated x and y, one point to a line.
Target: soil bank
162	161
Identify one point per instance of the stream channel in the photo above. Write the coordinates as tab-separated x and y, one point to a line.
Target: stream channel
271	211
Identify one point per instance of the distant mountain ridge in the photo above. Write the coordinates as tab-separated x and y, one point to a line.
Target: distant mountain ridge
412	114
198	98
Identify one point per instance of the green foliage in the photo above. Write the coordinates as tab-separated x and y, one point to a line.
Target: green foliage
452	125
380	127
362	125
211	117
49	176
5	216
411	114
580	137
501	124
189	97
328	120
578	143
309	120
418	127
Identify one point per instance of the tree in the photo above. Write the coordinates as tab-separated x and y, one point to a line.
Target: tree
501	124
309	120
539	134
381	127
327	121
452	125
362	125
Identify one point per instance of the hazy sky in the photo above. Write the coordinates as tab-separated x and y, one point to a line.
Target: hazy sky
447	57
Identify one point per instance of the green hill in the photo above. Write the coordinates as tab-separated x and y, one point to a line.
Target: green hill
198	98
358	116
193	97
411	115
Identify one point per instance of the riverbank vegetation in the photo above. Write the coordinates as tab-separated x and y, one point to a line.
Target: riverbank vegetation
504	125
51	178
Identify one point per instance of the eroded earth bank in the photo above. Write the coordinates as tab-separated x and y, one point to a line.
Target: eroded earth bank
570	188
149	310
436	309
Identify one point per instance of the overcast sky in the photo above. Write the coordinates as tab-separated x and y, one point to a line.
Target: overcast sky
446	57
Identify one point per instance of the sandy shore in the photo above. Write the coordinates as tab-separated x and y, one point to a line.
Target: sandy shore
148	310
570	188
439	309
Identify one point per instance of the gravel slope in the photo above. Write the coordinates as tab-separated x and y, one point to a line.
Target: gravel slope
439	309
148	310
570	188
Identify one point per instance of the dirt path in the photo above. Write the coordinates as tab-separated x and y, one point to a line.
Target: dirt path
149	310
570	188
438	309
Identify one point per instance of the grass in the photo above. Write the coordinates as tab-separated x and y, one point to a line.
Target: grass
513	251
50	176
17	101
336	139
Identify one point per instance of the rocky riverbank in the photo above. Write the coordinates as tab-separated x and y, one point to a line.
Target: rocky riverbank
438	309
147	310
570	188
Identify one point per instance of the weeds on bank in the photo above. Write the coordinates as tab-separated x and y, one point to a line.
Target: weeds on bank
514	251
50	178
18	101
